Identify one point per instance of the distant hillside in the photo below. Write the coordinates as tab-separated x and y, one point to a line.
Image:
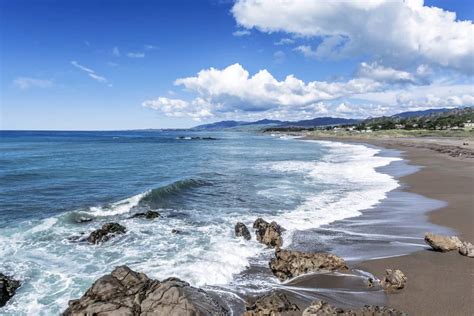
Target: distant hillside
232	125
420	113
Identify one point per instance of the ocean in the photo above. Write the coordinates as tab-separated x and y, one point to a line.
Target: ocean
200	183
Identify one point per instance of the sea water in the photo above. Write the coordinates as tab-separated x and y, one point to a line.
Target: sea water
51	181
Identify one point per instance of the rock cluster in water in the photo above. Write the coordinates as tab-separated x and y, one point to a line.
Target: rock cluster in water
289	264
8	287
321	308
242	231
147	215
106	232
268	233
126	292
273	303
449	243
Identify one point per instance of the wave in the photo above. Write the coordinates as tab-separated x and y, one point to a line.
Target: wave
154	198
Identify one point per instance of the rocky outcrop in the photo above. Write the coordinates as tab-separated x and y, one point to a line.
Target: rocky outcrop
271	304
393	280
288	264
467	249
126	292
147	215
242	231
106	232
8	287
321	308
442	243
268	233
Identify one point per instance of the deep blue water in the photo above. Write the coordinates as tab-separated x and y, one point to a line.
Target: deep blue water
201	187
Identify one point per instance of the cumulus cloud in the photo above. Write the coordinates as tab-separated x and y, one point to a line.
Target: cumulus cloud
385	29
234	90
91	73
381	73
197	109
25	83
233	93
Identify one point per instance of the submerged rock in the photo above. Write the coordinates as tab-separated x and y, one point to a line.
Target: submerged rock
268	233
147	215
176	231
83	219
106	232
467	249
271	304
442	243
8	287
393	280
242	231
126	292
289	264
321	308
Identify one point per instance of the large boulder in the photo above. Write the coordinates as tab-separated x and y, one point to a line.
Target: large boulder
106	232
393	280
467	249
288	264
321	308
268	233
242	231
126	292
271	304
8	287
442	243
147	215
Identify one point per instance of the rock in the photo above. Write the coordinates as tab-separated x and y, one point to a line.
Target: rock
467	249
8	287
442	243
242	231
271	304
126	292
288	264
147	215
321	308
393	280
268	234
175	231
106	232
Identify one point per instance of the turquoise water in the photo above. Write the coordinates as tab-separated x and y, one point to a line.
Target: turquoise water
201	187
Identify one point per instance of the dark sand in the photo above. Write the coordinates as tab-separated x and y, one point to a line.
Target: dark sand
438	283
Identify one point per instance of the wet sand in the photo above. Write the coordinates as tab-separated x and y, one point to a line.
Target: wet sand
438	283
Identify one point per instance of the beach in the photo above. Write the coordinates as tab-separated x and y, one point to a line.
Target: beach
438	283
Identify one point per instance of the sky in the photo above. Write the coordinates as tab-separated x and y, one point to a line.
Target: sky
114	65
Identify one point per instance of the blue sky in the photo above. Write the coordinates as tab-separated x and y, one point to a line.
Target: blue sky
101	65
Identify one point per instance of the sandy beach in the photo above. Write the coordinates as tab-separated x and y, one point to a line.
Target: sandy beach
438	283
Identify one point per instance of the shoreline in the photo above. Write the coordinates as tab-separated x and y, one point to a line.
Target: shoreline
438	283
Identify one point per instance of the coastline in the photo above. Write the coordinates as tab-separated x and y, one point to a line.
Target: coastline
438	283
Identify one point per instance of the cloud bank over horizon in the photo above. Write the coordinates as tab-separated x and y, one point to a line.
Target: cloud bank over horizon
415	57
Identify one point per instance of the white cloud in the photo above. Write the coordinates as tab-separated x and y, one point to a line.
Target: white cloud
91	73
197	109
284	41
151	47
385	29
25	83
240	33
136	55
385	74
233	90
233	93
